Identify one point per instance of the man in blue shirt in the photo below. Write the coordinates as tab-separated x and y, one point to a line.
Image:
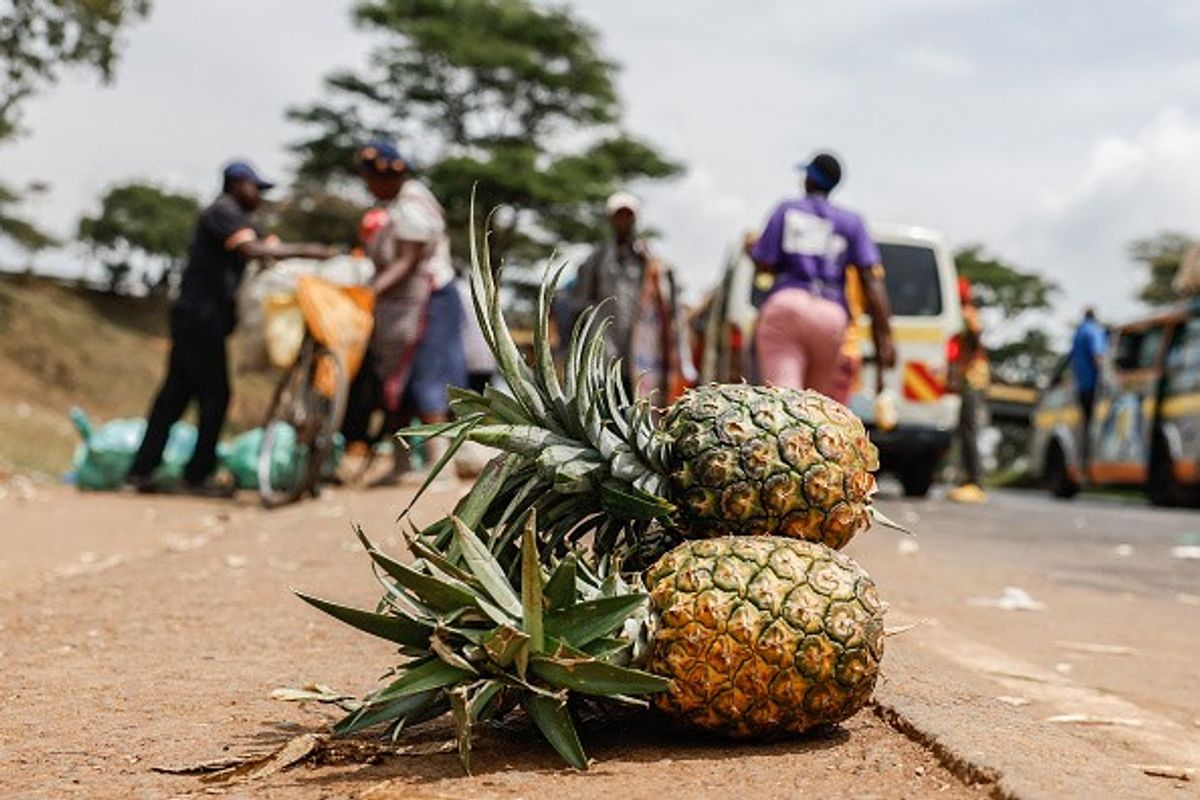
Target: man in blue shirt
1087	359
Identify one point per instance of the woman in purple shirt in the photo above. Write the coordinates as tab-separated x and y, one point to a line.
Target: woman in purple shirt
808	243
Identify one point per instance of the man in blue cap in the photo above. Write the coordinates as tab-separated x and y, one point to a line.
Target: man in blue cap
202	317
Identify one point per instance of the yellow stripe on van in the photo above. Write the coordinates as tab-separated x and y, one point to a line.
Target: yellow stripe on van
1181	405
1048	418
910	334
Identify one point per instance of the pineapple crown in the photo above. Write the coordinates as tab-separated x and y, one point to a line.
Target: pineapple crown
578	450
477	647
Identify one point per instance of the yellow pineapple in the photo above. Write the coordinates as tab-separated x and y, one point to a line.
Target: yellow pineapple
762	636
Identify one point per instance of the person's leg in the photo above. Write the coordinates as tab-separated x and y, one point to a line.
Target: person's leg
210	376
361	403
822	332
781	358
1087	404
478	381
968	434
169	404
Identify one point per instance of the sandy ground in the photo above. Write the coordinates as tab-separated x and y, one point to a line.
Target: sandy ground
138	633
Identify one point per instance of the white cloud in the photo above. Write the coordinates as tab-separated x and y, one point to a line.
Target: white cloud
936	62
1126	187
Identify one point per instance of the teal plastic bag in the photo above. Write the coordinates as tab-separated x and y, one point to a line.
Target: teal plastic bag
240	457
106	453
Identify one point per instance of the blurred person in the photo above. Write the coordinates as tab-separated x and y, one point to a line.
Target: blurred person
202	317
481	364
1088	348
363	399
808	242
969	376
417	343
646	326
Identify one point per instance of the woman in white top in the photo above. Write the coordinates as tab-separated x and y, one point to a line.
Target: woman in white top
417	344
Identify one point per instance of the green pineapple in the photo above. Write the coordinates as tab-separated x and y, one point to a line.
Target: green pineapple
739	636
477	647
723	459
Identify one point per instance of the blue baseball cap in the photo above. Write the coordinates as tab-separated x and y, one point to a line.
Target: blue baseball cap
823	170
381	157
242	171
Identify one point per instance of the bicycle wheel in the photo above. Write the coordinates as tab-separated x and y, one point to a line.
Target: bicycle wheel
298	435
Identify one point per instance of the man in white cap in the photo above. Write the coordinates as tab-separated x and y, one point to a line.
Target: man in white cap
644	326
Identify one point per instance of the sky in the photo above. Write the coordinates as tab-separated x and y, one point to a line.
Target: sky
1052	133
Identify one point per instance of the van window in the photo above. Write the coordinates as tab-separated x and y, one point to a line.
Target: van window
1138	349
912	280
1183	363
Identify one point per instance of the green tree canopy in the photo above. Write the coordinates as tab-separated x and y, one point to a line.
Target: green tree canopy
310	213
143	219
16	227
39	37
509	95
1012	293
1160	255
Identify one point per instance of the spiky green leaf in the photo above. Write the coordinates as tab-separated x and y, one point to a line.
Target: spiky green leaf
561	590
622	500
486	569
401	630
585	622
554	721
531	586
588	675
372	714
432	673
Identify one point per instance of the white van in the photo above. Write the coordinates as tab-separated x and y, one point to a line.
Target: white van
922	285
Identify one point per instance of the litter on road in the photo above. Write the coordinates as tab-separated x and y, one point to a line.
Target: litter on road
1090	719
1013	598
1097	649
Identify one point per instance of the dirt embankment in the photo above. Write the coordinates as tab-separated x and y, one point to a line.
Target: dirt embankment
62	346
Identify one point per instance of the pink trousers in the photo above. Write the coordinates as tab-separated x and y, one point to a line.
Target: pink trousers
800	342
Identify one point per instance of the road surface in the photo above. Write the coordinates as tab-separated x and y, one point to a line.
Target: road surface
141	632
1085	611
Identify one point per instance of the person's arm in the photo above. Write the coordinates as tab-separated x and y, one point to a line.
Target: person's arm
408	256
268	249
879	307
863	252
767	250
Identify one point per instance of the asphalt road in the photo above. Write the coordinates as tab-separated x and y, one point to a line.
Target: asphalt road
1086	609
1081	617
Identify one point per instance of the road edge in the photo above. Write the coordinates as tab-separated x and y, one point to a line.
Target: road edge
956	716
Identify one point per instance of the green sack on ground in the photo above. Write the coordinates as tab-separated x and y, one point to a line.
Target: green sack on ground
106	453
240	457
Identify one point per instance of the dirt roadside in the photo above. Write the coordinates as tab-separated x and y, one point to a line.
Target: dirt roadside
139	633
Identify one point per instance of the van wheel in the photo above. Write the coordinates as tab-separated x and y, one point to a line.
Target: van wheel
1057	478
1161	485
916	478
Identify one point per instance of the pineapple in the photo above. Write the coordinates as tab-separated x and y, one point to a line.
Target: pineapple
478	647
762	460
746	637
724	459
763	636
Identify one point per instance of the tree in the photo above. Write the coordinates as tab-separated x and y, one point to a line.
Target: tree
37	39
505	95
1160	254
140	222
311	213
15	227
40	37
1012	293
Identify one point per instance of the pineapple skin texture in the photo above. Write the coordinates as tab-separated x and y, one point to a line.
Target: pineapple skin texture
761	460
763	636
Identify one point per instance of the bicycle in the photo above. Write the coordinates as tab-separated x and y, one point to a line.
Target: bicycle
310	399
